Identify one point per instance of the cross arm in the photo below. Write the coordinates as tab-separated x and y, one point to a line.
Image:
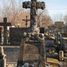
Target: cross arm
25	20
2	24
39	5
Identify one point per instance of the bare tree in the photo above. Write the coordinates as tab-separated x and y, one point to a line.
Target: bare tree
10	10
43	19
15	13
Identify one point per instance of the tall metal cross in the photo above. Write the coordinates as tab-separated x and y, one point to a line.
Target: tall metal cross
5	24
26	20
33	5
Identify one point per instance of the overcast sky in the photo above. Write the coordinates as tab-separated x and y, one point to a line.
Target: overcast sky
54	7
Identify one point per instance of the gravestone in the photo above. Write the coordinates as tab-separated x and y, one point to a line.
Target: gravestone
16	35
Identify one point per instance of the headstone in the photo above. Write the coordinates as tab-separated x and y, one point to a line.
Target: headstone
16	35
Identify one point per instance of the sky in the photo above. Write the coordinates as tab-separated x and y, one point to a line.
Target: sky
56	8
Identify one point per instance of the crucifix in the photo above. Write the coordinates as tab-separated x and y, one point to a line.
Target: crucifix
33	5
26	20
5	24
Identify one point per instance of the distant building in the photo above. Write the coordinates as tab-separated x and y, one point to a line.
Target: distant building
59	24
61	27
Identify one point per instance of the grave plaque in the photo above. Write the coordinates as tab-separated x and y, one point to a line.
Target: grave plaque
30	53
